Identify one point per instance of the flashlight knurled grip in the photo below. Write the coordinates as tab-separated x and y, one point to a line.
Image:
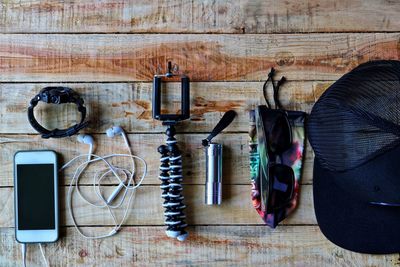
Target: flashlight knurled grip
213	192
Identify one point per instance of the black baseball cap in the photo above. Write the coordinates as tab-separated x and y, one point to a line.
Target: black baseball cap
354	130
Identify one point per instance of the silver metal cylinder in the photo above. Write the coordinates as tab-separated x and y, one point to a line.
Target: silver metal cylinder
213	174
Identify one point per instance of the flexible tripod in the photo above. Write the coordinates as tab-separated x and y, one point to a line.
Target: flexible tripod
171	179
171	158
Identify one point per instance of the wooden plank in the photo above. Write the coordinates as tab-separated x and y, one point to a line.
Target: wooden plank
204	57
129	105
195	16
236	207
206	246
236	162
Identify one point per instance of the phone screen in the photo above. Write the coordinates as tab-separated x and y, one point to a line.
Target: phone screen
36	209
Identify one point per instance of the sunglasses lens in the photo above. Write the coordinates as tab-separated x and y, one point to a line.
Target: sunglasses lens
280	135
282	185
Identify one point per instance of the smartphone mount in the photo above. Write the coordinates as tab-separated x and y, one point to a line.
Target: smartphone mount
171	175
171	119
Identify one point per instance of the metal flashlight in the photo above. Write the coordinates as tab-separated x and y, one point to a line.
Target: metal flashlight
213	195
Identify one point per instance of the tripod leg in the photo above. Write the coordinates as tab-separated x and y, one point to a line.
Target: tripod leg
175	218
164	175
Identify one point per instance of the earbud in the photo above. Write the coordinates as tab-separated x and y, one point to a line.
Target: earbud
115	130
88	140
85	139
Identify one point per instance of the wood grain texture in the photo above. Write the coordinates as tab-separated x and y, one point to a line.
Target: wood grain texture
206	246
108	51
129	105
194	16
236	162
147	209
137	57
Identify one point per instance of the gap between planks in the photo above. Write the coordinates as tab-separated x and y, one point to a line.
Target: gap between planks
198	33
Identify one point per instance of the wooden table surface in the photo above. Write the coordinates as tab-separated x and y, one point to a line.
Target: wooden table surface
109	51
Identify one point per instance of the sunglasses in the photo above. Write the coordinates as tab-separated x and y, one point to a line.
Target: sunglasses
276	134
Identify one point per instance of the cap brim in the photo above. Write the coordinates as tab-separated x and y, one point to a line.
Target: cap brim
353	223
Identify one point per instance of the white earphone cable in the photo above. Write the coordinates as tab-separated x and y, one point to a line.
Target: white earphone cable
43	255
97	188
128	185
23	251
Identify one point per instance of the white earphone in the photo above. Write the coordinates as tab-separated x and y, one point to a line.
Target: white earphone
115	130
85	139
127	183
88	140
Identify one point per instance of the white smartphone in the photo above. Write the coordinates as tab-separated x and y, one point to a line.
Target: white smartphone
36	196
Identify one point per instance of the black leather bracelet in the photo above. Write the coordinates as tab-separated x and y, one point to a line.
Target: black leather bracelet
57	95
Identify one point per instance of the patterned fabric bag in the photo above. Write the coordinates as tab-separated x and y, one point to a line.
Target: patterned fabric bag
266	184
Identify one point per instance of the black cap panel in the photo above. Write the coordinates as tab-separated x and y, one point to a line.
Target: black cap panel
358	117
352	223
